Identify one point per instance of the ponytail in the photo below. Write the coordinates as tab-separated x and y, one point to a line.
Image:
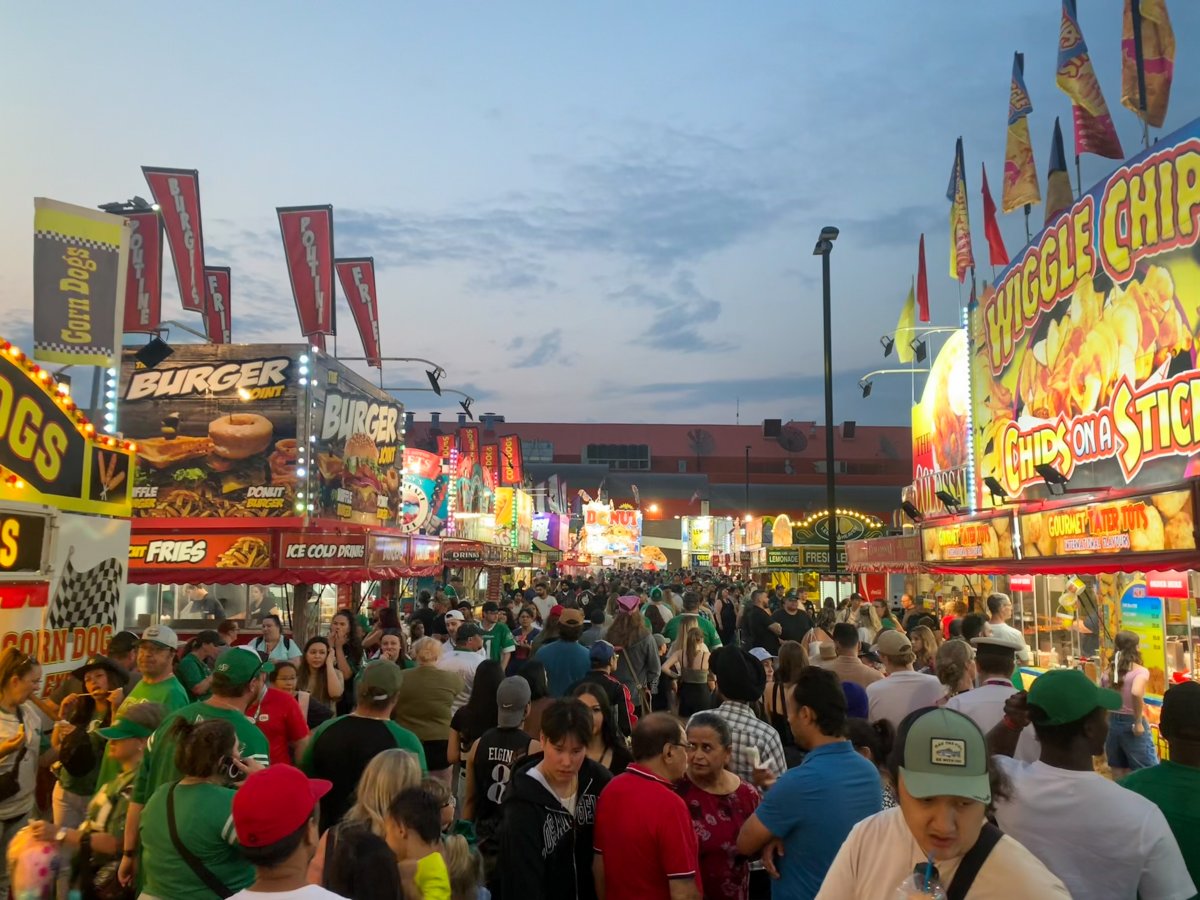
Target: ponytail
1127	655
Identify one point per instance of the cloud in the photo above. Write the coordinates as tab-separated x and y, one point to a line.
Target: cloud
679	309
901	227
542	351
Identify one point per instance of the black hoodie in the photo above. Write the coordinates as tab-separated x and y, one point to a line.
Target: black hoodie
546	854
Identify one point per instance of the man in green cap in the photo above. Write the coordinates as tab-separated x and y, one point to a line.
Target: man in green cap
195	669
340	749
1103	841
239	679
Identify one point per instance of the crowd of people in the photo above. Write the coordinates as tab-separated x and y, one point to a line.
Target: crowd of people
631	736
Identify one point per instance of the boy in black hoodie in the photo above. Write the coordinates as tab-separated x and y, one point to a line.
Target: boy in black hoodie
550	812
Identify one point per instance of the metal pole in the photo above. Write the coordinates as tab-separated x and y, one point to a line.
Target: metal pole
829	481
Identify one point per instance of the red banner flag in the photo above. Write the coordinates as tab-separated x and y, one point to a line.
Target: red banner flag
218	319
489	458
143	285
446	444
357	277
308	245
512	467
177	193
468	440
997	254
922	284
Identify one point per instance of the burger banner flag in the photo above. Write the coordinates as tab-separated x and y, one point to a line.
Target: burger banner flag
177	193
308	246
962	259
468	440
357	277
997	254
80	257
1020	173
143	283
489	458
217	314
1094	129
1058	182
1147	60
512	468
446	445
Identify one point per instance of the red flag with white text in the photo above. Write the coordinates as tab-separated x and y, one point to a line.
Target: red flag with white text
468	440
512	468
143	284
218	318
308	247
177	193
489	458
357	277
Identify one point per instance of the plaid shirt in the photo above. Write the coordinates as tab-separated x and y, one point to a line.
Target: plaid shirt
751	731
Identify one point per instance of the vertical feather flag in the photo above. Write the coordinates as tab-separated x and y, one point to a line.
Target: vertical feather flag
1153	55
1020	174
997	255
922	284
1058	183
1094	129
904	329
961	257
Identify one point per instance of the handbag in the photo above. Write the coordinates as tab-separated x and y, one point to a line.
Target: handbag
10	781
201	871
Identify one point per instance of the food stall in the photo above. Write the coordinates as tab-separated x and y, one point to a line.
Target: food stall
268	465
796	554
64	521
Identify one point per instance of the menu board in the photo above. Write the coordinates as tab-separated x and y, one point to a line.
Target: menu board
1143	615
1151	524
977	539
1085	348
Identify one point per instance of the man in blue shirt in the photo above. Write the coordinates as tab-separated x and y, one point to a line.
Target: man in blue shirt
810	810
565	659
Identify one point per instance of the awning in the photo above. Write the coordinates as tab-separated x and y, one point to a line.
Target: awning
543	547
1076	565
899	553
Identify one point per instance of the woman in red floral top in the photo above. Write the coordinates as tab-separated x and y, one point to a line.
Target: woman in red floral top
719	802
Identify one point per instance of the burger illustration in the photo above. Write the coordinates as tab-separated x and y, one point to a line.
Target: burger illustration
361	476
239	442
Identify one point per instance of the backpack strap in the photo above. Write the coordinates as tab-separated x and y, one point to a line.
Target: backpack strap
964	876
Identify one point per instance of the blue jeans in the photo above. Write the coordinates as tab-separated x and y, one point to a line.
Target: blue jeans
1126	750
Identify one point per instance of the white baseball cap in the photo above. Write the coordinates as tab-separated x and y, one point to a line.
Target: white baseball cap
455	614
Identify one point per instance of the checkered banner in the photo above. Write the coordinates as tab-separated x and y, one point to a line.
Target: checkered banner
88	597
80	258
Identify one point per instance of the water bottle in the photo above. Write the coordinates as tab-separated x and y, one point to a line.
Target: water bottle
923	884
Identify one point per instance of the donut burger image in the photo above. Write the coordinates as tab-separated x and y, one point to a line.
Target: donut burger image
239	444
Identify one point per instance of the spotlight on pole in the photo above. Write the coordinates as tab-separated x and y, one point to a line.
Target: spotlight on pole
952	503
911	511
920	349
1055	480
865	384
996	488
153	353
888	343
466	407
434	375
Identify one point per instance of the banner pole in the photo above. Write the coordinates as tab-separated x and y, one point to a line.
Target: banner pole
1028	233
1078	178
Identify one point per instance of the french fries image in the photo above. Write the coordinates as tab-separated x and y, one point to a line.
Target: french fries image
246	553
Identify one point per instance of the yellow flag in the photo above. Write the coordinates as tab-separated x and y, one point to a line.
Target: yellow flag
905	328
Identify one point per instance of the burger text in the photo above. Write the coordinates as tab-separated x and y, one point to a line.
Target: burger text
255	375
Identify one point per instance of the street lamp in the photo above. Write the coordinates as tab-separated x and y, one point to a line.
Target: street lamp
823	248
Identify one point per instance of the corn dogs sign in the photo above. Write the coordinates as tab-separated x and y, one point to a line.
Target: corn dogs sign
1085	349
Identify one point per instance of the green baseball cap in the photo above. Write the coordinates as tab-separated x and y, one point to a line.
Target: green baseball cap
124	728
1067	695
945	755
240	664
381	679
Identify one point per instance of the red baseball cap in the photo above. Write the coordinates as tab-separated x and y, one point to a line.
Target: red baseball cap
379	603
274	803
556	610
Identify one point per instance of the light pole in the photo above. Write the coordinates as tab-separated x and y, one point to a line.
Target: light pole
746	511
823	248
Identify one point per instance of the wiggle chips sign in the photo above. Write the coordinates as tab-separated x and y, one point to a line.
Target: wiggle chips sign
1085	348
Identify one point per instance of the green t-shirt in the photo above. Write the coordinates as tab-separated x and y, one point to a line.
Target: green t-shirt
158	763
168	693
108	809
85	785
190	672
497	640
1173	789
204	819
711	639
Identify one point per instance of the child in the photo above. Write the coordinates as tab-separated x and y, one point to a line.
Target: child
450	824
414	833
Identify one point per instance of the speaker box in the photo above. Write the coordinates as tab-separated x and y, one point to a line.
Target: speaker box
772	428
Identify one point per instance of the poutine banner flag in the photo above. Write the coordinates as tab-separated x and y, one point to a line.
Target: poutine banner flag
143	282
1094	129
962	259
80	260
904	328
512	466
1020	174
308	246
218	317
1154	54
177	193
357	277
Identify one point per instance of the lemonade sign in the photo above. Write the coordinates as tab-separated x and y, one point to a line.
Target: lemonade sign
1085	348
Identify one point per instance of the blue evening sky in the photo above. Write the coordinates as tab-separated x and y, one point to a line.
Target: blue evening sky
582	211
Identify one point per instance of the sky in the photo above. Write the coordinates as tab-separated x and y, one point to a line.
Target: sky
583	212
